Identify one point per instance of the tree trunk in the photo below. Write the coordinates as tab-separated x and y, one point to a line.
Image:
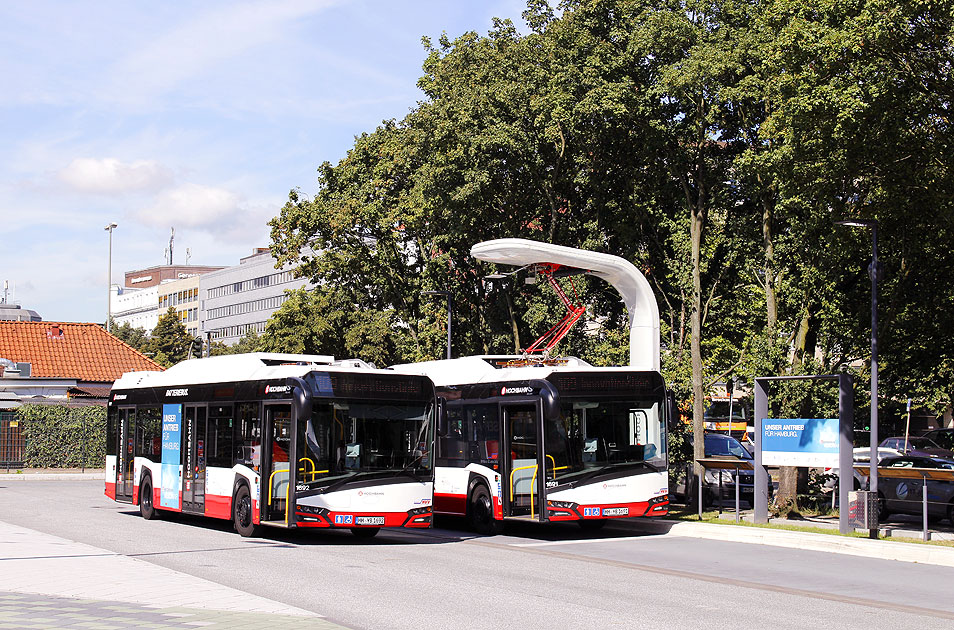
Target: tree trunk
771	301
513	324
695	335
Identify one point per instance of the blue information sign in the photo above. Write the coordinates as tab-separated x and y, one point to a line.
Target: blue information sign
800	442
171	446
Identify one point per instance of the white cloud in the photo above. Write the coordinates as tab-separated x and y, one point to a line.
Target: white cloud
192	205
109	175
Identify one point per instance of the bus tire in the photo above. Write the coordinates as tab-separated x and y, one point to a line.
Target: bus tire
480	512
242	513
365	532
146	507
593	524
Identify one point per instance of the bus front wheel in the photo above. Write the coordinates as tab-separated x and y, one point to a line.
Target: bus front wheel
146	508
481	512
242	513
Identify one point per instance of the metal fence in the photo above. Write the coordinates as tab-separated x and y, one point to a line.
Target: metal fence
12	441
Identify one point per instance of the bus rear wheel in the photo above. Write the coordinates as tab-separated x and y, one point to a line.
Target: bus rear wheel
365	532
242	513
146	508
481	512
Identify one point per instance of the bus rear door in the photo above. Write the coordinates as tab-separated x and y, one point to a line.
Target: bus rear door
126	436
194	458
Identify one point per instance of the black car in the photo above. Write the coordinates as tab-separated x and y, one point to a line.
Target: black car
904	495
720	445
942	437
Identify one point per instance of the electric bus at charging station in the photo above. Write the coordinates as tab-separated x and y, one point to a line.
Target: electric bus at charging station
278	440
532	437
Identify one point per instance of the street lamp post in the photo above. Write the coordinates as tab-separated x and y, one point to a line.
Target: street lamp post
109	277
873	274
450	301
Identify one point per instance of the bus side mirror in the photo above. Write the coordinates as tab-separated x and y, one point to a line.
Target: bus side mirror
441	417
672	411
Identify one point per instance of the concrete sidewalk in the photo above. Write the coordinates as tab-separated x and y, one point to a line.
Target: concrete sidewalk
880	549
48	582
50	474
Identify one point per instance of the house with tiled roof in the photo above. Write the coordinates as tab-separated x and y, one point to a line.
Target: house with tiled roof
64	362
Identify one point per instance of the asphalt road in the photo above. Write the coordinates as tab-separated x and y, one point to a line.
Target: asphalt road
533	576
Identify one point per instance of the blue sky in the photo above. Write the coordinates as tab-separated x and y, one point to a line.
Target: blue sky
198	116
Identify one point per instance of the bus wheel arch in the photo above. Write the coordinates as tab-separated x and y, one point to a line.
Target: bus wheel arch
242	516
147	509
480	510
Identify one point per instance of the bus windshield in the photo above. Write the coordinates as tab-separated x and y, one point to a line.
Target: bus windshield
592	436
343	439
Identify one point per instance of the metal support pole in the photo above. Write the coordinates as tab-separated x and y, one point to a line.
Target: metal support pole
846	471
760	491
721	491
924	506
737	477
873	273
701	478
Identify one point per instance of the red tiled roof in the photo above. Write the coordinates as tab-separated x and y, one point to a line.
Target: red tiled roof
82	351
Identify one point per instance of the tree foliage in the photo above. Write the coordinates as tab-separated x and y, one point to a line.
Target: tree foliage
713	144
169	342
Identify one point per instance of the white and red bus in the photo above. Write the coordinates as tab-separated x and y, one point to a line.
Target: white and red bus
557	441
530	437
274	439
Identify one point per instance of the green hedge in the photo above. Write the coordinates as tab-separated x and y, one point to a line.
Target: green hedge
63	437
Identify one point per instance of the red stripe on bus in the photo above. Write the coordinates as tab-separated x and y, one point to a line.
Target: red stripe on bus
450	503
218	507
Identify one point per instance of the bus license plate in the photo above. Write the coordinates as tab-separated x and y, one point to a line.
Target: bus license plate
369	520
615	511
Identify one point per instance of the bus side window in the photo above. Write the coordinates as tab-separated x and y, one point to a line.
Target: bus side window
221	430
149	429
248	451
451	446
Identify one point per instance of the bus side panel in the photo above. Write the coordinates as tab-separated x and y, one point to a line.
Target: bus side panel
251	478
450	490
218	491
110	477
451	486
142	466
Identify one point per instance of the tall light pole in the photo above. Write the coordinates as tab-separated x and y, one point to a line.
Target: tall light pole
109	277
873	274
450	301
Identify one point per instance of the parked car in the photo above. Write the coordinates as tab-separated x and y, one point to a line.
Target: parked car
898	495
719	445
921	446
942	437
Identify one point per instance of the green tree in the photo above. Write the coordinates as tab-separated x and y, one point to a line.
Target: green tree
169	341
135	337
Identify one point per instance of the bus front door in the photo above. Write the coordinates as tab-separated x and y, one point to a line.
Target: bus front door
523	479
194	457
125	460
276	440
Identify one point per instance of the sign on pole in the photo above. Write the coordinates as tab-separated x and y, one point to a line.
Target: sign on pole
171	458
800	442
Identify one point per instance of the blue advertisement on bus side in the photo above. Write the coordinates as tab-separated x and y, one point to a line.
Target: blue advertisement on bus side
800	442
171	445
